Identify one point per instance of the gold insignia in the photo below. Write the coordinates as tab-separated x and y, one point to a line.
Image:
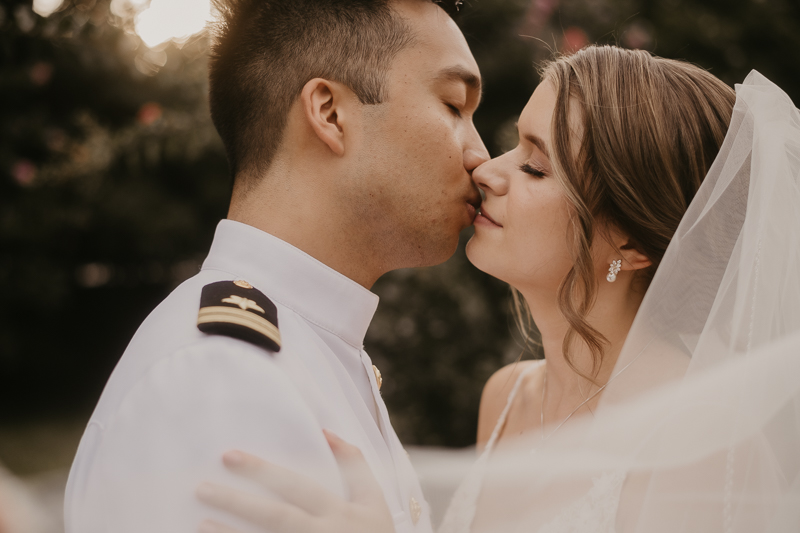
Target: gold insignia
244	303
235	316
243	284
416	510
378	377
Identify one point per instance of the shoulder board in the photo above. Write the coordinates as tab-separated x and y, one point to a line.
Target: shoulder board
236	309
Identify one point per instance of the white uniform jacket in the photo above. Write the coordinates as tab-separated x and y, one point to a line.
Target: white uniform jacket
179	398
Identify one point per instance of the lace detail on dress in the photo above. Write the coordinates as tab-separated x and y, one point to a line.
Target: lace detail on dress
595	512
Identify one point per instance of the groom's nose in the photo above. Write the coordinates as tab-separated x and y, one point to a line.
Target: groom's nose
475	152
474	157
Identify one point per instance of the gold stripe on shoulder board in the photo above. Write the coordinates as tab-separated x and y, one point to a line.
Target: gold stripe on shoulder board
232	315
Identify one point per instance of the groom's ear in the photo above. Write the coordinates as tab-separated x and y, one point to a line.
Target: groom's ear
325	105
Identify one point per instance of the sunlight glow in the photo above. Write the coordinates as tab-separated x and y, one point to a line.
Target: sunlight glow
166	20
45	8
123	8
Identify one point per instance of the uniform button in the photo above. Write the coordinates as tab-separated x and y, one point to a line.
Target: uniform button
243	284
416	510
378	378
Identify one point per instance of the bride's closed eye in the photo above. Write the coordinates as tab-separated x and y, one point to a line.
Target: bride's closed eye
533	171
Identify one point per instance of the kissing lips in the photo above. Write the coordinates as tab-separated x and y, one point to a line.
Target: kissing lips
483	217
473	206
471	211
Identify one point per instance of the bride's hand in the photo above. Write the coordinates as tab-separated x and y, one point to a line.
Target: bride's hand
306	507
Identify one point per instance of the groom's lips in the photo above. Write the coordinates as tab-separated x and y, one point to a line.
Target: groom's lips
473	205
472	211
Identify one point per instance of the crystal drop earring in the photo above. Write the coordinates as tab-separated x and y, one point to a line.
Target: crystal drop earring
613	270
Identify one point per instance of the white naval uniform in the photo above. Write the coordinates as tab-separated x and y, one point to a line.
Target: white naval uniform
179	398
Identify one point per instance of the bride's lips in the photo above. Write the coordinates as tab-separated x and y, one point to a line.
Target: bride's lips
485	219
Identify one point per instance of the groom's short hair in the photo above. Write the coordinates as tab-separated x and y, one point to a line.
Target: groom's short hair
264	51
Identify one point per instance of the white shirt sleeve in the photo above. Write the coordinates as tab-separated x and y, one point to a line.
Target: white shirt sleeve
138	470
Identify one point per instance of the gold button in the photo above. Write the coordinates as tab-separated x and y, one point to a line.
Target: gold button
243	284
416	510
378	377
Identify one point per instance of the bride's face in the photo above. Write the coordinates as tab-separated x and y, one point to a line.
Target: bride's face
522	236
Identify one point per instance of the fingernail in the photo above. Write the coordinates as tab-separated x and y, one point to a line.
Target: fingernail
207	526
205	491
233	458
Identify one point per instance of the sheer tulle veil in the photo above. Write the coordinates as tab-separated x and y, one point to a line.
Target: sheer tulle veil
702	413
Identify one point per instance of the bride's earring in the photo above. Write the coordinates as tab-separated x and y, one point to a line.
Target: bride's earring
613	270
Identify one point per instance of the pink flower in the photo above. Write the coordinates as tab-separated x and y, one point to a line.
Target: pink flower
149	113
23	172
574	39
41	73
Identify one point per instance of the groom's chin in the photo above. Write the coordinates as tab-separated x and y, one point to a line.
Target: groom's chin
440	253
437	250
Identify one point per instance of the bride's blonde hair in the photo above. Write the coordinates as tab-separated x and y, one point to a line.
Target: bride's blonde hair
651	129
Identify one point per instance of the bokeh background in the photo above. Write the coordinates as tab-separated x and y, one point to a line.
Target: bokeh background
112	179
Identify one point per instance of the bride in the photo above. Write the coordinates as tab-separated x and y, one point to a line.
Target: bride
666	290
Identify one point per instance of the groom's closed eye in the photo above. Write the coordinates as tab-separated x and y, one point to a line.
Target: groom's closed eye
468	83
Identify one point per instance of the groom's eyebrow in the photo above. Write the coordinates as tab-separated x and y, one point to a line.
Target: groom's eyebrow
467	77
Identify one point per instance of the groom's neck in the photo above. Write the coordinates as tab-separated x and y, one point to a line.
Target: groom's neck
302	212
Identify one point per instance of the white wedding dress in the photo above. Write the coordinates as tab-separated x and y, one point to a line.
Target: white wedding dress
595	512
698	428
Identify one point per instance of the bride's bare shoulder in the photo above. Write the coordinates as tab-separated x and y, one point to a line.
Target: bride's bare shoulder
495	395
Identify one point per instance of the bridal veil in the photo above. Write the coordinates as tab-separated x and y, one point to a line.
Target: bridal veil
701	418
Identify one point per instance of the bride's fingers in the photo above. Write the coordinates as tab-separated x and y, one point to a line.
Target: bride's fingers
364	488
273	516
291	486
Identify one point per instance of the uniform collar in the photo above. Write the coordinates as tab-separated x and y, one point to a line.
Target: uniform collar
293	279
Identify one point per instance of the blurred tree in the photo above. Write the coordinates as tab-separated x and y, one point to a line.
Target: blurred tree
112	180
728	37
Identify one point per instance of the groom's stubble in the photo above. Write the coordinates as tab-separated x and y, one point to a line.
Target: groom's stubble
413	191
401	192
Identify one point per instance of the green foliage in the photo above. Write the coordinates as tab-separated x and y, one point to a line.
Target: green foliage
112	180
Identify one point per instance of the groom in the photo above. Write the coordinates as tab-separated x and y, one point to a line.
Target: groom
348	128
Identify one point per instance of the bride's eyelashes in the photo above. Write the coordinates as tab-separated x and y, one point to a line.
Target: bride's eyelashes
533	171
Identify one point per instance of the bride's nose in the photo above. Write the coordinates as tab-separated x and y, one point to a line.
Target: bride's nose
490	179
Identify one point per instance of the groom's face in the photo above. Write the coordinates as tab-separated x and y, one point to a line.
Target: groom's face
421	145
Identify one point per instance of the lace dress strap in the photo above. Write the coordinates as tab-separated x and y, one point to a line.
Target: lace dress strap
461	513
501	421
